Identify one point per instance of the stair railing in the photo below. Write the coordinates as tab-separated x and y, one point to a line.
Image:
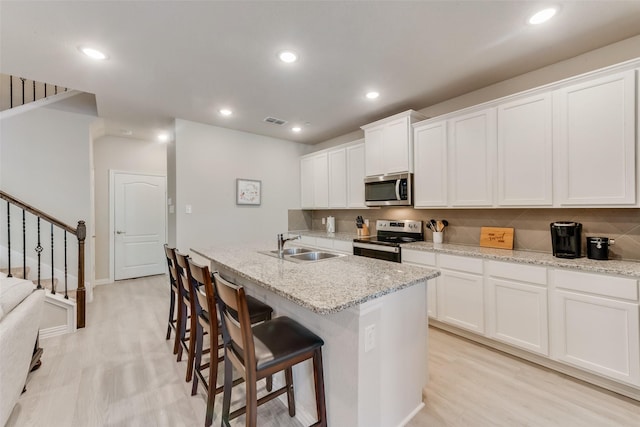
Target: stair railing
22	90
80	232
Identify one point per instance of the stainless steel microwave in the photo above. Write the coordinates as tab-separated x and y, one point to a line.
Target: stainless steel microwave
388	190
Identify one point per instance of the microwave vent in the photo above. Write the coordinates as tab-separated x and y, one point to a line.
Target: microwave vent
275	121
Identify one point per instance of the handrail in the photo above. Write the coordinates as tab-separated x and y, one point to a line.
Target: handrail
81	234
37	212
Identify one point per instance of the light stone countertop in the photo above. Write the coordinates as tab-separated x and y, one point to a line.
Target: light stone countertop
324	287
624	268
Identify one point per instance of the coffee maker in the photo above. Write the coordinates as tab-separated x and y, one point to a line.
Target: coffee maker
566	239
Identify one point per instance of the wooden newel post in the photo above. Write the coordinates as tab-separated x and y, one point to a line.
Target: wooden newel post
81	234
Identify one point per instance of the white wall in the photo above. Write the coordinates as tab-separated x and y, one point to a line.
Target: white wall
122	154
208	161
45	157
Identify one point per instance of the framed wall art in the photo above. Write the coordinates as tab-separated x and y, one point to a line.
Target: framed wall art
248	192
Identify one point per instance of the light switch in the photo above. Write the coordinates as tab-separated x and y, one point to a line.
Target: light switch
172	209
187	209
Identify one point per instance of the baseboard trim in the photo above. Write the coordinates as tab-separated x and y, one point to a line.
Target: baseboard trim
54	331
102	282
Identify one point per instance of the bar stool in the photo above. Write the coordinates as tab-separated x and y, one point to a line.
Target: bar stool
207	323
174	322
261	350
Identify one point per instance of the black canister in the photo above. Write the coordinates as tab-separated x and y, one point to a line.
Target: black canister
598	247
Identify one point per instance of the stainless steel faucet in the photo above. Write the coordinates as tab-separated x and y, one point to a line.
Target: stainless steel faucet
281	241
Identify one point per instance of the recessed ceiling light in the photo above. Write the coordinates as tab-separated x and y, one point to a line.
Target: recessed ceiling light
226	112
372	95
92	53
163	137
543	16
296	129
287	56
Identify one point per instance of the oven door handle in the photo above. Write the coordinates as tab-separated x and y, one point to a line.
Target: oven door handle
381	248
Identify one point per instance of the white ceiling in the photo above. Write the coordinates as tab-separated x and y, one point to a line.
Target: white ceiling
178	59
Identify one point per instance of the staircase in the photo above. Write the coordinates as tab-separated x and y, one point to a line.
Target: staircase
38	243
16	91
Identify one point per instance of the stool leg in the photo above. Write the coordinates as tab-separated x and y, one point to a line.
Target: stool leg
176	343
183	329
198	359
172	306
196	334
291	401
251	415
226	394
318	378
213	377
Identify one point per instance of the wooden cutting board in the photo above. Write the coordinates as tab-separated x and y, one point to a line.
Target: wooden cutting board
496	237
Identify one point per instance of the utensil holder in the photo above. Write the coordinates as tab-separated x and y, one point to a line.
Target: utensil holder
438	236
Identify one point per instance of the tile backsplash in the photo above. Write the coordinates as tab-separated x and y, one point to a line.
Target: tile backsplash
531	225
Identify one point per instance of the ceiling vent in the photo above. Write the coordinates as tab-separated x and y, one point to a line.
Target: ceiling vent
275	121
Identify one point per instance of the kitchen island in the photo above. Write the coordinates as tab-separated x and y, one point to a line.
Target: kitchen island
371	315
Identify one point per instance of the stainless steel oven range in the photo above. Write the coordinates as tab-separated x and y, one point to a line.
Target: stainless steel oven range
386	243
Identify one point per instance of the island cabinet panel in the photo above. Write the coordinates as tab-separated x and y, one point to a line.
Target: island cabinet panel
472	158
595	329
525	151
425	259
517	305
461	292
430	159
596	132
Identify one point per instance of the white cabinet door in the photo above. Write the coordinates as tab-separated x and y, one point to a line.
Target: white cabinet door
517	314
355	176
321	181
306	182
337	178
396	146
424	259
430	165
525	152
374	151
598	334
472	158
596	141
460	300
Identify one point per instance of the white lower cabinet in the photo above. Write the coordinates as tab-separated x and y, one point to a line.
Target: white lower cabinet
595	324
517	306
461	292
425	259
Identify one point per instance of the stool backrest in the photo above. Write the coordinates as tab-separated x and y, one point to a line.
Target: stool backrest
237	334
203	289
172	264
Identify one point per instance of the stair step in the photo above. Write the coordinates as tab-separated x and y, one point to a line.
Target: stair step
18	272
46	283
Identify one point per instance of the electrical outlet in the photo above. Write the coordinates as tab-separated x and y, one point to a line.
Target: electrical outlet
369	338
324	221
188	209
366	222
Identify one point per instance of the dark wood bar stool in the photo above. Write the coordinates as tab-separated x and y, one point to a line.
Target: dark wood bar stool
262	350
174	318
205	309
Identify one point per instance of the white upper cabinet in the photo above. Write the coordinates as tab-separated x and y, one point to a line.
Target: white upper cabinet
337	178
355	176
314	174
333	178
472	148
596	140
430	159
389	144
525	152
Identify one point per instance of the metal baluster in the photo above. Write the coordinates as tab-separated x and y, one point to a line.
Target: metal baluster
45	90
11	91
39	251
66	295
24	245
9	237
23	80
53	283
56	89
34	90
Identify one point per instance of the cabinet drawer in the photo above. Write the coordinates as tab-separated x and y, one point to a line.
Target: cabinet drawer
343	246
419	257
520	272
611	286
454	262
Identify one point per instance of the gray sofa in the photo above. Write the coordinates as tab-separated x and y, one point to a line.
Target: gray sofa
20	313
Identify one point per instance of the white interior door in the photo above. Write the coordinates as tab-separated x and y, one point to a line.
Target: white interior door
139	225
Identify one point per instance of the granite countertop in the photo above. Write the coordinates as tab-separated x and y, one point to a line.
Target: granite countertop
624	268
324	287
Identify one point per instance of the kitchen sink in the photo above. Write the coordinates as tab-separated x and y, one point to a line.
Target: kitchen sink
292	251
313	256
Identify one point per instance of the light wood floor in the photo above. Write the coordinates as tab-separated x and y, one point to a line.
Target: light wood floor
120	371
